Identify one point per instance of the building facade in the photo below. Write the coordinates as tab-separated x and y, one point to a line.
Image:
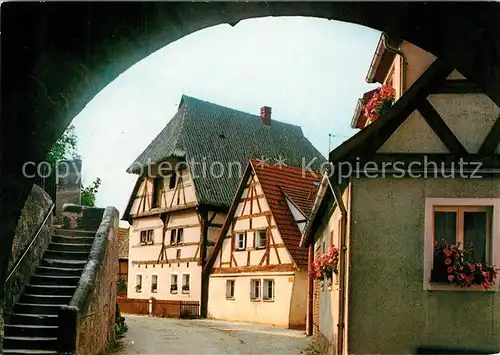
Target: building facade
433	162
187	178
258	272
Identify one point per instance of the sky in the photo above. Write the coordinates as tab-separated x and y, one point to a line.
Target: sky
310	71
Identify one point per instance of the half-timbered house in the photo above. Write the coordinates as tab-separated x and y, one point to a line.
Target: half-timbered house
187	178
425	170
258	271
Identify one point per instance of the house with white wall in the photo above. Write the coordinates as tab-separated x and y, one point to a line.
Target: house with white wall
258	271
187	178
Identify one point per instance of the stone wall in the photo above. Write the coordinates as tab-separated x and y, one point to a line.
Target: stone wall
81	217
68	184
87	324
35	210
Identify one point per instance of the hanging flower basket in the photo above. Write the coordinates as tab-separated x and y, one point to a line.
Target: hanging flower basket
456	266
325	265
379	103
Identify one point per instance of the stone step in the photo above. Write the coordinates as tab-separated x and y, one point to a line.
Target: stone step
74	233
65	255
70	247
72	239
50	290
58	271
35	343
25	330
45	299
32	308
57	280
28	352
33	319
65	264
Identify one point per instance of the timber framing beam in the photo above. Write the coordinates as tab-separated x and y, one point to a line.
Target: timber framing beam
492	140
367	141
458	86
436	122
404	165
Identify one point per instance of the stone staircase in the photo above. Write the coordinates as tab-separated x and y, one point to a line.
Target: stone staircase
32	327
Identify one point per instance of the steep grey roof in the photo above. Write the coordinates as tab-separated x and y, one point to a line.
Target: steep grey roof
202	131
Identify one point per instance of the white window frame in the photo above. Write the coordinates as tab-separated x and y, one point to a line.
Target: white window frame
230	287
237	241
180	232
494	257
189	282
258	239
253	296
137	284
177	282
150	236
265	294
152	277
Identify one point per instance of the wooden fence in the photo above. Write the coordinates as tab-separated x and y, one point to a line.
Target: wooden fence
159	308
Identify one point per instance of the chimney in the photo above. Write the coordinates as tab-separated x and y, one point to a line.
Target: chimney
265	115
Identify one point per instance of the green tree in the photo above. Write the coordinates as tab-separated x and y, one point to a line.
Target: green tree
65	147
89	193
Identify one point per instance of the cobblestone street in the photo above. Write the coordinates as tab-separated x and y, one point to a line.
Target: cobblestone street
147	335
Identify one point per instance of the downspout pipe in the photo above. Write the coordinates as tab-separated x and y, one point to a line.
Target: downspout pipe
342	270
399	52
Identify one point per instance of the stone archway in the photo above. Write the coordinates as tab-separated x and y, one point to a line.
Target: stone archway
57	57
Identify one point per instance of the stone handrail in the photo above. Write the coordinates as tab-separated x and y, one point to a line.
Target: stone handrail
86	324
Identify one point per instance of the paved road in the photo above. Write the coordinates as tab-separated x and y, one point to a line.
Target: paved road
148	335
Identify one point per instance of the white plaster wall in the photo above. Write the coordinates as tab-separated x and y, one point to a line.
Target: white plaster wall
242	308
469	116
164	272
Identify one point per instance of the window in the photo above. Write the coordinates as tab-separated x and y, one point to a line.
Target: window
173	283
241	241
467	226
157	188
178	254
465	221
176	236
150	237
173	180
185	283
154	283
230	289
255	290
268	290
260	239
138	283
147	237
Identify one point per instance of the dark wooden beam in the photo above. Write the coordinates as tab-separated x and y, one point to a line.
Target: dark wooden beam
439	127
492	140
458	86
370	139
382	165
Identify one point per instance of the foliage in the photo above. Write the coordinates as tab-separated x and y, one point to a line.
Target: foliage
89	193
65	147
122	285
379	103
325	265
456	266
185	288
120	326
173	288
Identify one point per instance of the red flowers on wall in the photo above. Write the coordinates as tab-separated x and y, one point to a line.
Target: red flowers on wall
325	265
455	266
381	100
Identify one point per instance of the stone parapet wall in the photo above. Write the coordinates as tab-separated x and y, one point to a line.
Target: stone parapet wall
35	212
81	217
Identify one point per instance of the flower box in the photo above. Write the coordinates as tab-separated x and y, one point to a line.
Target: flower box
185	289
380	102
454	265
173	288
324	266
